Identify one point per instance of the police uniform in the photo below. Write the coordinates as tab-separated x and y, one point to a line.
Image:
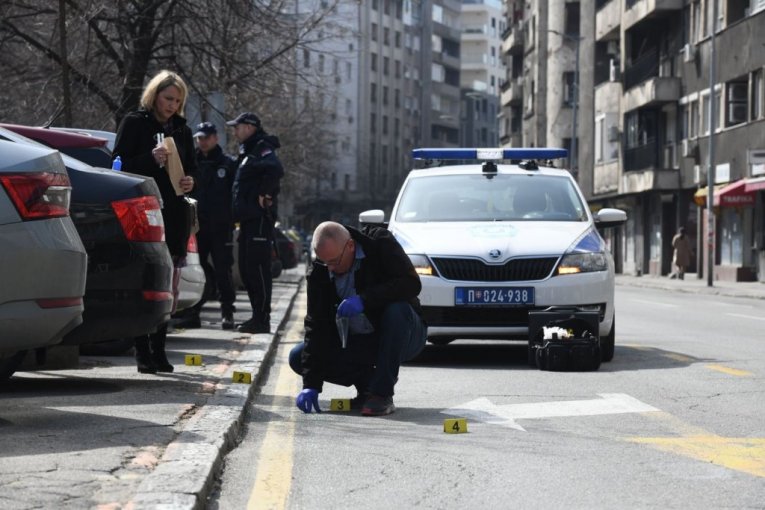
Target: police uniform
215	178
258	173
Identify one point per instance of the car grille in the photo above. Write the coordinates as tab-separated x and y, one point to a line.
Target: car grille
476	316
514	270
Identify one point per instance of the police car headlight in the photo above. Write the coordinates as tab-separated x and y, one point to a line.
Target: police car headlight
422	265
574	263
586	255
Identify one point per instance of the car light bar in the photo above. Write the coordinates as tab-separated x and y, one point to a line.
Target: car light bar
491	154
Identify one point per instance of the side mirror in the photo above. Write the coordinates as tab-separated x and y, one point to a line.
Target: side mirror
608	217
375	216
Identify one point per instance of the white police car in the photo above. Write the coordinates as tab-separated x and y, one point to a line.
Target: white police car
493	242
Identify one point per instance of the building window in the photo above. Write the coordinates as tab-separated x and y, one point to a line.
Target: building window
386	36
385	95
321	63
398	39
306	58
373	92
374	5
373	61
373	123
736	102
757	95
568	88
572	18
398	68
386	66
397	98
348	106
373	32
385	125
348	71
347	183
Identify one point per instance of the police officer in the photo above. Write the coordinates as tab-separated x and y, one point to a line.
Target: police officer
254	196
213	192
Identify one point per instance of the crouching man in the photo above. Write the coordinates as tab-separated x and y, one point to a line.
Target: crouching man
367	279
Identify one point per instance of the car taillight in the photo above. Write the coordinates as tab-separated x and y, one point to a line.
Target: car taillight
191	246
38	195
141	218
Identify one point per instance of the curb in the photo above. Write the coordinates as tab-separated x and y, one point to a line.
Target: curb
184	476
728	291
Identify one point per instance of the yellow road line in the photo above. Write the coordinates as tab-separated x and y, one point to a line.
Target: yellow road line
729	370
274	476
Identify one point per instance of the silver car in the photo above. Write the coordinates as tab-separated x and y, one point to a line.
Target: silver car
42	260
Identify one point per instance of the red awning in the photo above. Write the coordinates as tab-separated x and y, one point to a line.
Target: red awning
734	194
738	193
755	184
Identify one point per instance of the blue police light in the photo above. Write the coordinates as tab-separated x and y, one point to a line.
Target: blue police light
491	154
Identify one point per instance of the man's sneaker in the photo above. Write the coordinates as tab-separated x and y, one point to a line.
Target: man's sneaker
254	327
358	401
376	405
227	320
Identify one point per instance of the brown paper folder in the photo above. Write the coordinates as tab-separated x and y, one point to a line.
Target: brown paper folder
174	166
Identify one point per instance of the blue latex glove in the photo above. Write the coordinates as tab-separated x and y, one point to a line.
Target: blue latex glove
350	307
307	398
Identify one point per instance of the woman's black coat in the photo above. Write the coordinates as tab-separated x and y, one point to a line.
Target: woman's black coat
135	140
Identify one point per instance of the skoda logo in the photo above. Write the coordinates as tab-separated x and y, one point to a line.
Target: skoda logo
495	254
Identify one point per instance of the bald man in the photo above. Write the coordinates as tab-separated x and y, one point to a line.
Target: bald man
367	278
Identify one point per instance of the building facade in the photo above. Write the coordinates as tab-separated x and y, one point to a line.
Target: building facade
645	98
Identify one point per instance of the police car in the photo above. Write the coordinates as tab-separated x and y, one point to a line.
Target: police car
494	241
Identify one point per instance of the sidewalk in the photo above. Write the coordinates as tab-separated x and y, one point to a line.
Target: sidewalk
184	476
692	284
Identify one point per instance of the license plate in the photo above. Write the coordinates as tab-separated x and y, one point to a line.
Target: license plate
497	296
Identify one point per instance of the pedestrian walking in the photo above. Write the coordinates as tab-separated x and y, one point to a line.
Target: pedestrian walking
137	144
215	177
681	257
363	281
254	201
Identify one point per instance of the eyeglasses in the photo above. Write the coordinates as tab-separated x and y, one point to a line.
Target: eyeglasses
335	261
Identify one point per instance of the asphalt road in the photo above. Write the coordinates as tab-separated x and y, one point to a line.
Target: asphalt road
675	421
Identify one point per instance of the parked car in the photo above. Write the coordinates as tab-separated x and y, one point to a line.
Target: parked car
42	259
493	242
90	149
129	272
95	148
191	285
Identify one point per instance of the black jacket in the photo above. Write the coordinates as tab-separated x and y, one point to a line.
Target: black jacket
259	172
385	276
136	137
215	177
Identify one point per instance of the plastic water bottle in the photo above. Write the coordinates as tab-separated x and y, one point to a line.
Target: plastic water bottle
117	164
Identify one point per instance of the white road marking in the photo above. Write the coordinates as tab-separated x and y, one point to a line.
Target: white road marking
484	410
745	316
645	301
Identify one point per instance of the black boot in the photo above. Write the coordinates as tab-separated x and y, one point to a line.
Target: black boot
158	355
143	356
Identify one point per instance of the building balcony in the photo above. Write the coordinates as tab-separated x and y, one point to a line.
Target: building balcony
653	91
607	20
637	11
513	94
512	44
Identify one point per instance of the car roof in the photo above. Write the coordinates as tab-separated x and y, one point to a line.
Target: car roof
57	139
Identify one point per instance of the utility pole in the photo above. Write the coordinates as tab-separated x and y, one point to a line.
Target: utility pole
575	102
713	105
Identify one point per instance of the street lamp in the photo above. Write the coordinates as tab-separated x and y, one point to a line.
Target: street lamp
575	103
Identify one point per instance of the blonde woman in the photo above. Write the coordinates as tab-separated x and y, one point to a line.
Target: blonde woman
160	115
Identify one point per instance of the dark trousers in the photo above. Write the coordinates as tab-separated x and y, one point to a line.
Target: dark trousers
401	338
255	241
214	242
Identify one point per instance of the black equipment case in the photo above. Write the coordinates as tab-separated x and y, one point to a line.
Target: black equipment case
579	352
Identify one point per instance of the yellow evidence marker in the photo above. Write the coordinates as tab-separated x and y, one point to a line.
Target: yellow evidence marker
455	426
242	377
340	404
193	359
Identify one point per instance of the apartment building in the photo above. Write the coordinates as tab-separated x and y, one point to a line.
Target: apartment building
482	70
642	112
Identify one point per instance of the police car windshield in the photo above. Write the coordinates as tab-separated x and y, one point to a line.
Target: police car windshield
501	198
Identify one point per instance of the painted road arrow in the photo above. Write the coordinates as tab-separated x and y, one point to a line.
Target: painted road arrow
485	410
